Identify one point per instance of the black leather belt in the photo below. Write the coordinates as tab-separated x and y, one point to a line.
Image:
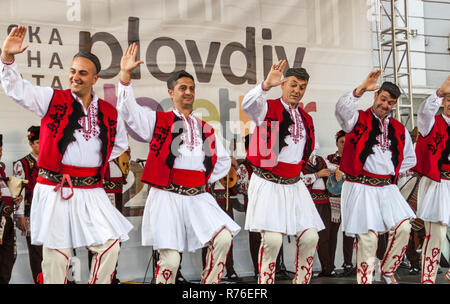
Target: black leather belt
269	176
110	185
445	174
76	180
189	191
369	180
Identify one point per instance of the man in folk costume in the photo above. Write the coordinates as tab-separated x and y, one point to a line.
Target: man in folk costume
8	204
79	134
314	174
433	199
377	148
184	156
26	168
279	202
333	163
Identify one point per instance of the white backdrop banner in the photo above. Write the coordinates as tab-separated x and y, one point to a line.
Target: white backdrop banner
227	45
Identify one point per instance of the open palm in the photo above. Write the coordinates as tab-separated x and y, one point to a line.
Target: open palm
13	43
128	61
273	79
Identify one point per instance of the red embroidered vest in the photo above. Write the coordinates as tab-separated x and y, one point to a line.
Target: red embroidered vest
334	159
269	138
60	123
432	150
30	168
164	146
360	141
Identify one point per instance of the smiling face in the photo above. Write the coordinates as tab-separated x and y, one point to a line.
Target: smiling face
383	104
183	94
82	76
293	90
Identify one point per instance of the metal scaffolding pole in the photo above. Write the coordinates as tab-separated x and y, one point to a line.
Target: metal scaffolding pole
393	44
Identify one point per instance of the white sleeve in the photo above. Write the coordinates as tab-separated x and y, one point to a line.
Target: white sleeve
255	105
409	155
223	163
31	97
308	179
121	141
346	111
427	111
140	119
19	173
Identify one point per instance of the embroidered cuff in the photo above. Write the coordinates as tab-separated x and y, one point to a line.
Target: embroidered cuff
125	83
439	95
7	63
354	94
263	88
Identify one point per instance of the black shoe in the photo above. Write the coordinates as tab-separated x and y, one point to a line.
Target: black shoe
232	276
181	280
331	274
349	270
414	271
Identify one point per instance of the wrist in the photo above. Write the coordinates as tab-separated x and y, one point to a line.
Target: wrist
264	86
439	93
7	59
358	92
125	77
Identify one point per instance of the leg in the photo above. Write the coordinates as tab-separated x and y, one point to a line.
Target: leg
104	262
169	261
347	248
254	243
323	249
334	229
35	256
7	251
411	253
268	251
55	264
218	250
365	256
396	247
306	246
431	251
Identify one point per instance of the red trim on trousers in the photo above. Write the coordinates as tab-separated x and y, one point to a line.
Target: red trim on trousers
67	267
390	248
98	262
211	249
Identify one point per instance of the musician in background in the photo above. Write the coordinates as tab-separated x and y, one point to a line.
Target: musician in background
8	251
26	168
334	185
433	164
222	196
315	174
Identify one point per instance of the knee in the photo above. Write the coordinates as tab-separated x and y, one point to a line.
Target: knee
309	237
170	258
368	240
223	239
272	239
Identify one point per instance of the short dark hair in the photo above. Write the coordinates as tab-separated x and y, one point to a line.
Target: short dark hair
247	141
88	55
391	88
339	134
175	76
33	133
299	73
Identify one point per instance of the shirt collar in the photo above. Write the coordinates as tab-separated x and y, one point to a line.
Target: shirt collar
94	100
286	105
379	119
179	114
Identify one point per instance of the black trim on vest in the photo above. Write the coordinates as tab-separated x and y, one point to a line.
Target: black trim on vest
394	145
72	125
371	141
171	156
284	130
103	135
309	148
446	152
207	162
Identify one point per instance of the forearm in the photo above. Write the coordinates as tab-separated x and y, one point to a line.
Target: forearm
346	111
254	104
427	110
